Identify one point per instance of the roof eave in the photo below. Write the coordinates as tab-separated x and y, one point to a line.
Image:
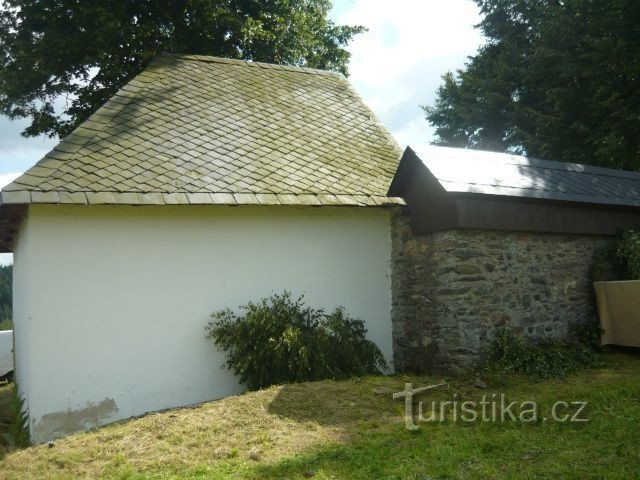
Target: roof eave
542	195
25	197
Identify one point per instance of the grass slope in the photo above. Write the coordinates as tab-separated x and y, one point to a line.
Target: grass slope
354	430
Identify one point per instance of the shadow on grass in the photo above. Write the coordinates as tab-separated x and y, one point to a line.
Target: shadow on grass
367	400
603	448
390	455
375	443
623	353
360	401
476	451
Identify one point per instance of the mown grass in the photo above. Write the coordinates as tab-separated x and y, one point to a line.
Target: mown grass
355	430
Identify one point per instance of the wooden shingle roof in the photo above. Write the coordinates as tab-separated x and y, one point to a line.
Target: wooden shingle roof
206	130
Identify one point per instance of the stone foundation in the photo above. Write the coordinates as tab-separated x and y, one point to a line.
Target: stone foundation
452	289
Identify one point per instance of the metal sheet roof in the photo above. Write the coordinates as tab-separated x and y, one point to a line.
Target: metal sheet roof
473	171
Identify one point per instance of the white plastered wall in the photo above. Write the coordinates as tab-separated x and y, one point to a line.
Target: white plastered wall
111	302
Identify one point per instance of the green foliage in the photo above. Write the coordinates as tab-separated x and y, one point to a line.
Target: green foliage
83	52
555	80
16	430
6	295
604	268
588	334
626	248
280	340
620	259
512	353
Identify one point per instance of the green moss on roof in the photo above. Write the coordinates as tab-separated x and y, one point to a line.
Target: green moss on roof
194	129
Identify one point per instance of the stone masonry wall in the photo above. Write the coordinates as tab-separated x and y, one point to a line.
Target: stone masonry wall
452	289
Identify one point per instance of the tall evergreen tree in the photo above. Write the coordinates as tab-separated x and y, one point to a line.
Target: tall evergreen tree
84	51
556	79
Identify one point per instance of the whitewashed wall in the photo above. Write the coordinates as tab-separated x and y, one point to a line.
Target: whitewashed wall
111	302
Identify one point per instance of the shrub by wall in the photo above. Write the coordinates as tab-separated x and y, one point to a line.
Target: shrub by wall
281	340
620	259
512	353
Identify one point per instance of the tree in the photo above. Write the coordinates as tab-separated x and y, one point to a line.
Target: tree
557	79
6	286
83	52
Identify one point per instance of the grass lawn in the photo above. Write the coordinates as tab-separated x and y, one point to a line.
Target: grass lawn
354	429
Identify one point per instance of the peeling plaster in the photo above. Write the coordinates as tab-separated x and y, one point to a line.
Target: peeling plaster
59	424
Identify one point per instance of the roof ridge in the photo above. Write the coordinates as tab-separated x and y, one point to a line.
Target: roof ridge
249	63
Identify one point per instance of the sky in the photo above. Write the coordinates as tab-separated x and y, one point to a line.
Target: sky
396	66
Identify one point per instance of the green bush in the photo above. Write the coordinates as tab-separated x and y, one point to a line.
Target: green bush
512	353
627	254
620	259
280	340
16	430
605	267
588	334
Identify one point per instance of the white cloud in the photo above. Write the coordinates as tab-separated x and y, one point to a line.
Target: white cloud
396	66
7	178
18	152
